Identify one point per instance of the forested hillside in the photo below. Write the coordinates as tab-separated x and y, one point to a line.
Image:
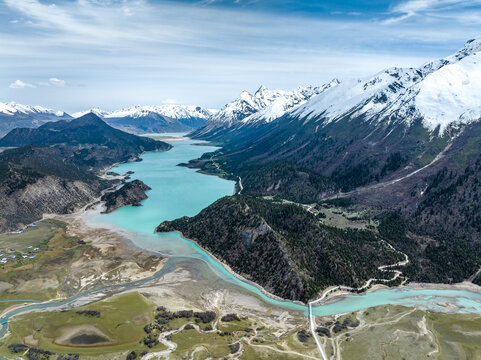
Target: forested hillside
285	248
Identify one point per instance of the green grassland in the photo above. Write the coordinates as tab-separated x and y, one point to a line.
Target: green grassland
216	346
121	319
384	332
127	320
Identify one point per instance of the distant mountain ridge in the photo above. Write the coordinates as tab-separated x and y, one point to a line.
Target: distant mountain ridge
88	129
13	115
155	118
441	93
288	101
137	119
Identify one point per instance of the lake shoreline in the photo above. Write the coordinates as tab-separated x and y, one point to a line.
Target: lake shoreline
238	276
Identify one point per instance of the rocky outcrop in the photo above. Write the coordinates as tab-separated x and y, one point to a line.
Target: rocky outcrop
131	193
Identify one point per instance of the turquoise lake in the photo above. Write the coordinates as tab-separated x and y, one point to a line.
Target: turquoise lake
179	191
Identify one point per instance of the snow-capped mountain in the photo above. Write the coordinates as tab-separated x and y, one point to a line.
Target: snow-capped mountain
288	101
397	123
156	118
261	107
99	112
442	92
170	111
246	104
13	108
13	115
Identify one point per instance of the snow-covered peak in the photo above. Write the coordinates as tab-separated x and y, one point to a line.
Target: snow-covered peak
96	111
439	93
170	111
287	101
13	108
359	96
471	47
246	104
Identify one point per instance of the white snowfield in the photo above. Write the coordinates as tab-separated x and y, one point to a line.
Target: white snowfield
13	108
170	111
440	93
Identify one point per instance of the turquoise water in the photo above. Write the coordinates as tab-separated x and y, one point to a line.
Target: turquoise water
176	191
460	301
179	191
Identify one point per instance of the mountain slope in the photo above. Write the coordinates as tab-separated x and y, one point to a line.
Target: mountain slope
55	168
13	115
154	119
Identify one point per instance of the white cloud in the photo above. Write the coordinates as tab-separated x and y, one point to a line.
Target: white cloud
429	8
53	82
19	84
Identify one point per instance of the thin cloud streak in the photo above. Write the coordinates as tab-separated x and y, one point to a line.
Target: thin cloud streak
413	8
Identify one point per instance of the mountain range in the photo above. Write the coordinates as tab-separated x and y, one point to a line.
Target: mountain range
261	107
137	119
403	146
13	115
361	131
154	119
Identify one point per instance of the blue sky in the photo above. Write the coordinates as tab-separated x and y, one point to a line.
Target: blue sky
73	55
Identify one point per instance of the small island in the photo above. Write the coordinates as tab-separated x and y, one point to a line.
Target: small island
131	193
